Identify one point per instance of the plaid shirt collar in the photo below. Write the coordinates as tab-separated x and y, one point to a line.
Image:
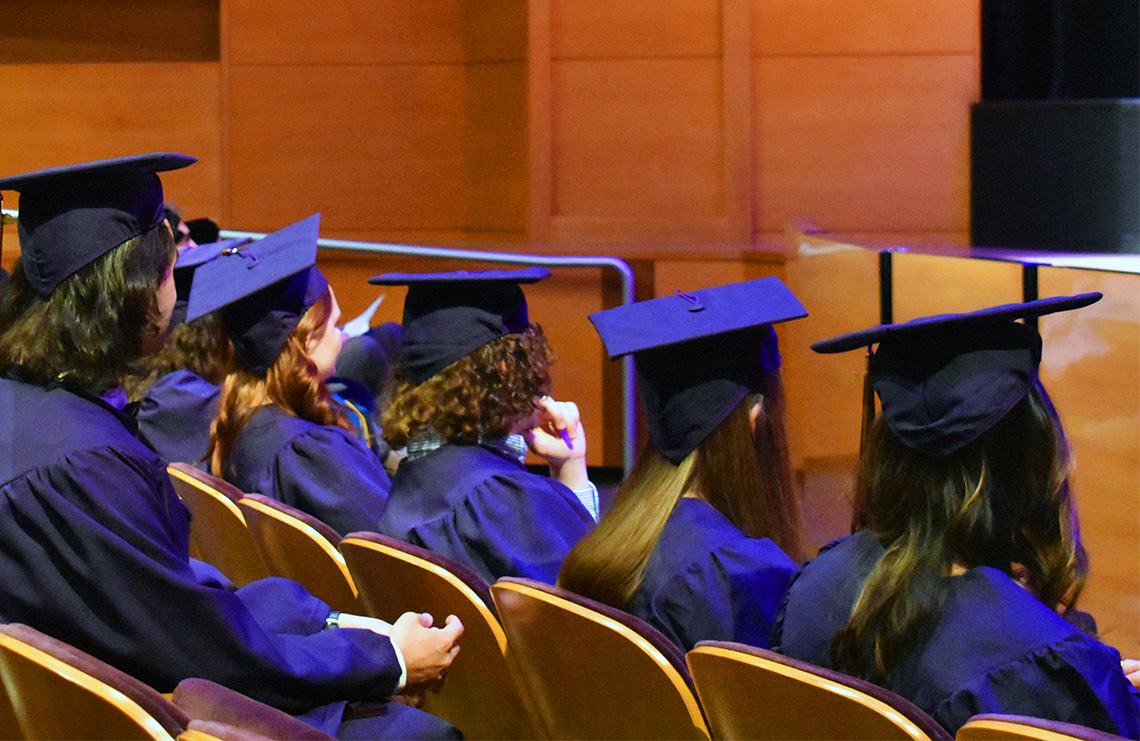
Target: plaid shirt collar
511	446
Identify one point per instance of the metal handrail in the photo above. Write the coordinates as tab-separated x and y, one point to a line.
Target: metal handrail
621	267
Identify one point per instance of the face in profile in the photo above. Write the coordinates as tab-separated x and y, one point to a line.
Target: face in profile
324	345
165	297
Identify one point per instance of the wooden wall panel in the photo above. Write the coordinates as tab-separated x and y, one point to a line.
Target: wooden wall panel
839	286
373	147
826	27
638	138
47	31
58	114
1091	367
625	29
291	32
640	120
872	143
495	184
934	284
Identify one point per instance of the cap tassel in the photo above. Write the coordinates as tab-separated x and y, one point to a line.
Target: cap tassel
868	404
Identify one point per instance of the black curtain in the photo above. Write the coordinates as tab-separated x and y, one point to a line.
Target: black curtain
1060	49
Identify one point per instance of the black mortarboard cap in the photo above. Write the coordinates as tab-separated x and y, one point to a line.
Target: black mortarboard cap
450	315
699	354
943	381
187	264
263	289
71	215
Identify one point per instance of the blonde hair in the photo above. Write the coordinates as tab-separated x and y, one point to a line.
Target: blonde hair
743	474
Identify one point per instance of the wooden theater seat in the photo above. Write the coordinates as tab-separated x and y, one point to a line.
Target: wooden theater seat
480	695
753	693
593	672
994	727
218	532
60	692
300	547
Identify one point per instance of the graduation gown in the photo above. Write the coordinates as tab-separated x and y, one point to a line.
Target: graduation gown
175	416
478	507
706	580
93	551
319	469
993	648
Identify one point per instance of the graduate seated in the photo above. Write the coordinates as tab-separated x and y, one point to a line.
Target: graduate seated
965	560
698	539
93	539
278	431
468	399
177	389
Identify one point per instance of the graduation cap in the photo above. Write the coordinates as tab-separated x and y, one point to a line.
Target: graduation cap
184	268
450	315
71	215
943	381
263	289
699	354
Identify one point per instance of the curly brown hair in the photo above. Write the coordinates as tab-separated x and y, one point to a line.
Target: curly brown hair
201	346
93	329
292	383
487	392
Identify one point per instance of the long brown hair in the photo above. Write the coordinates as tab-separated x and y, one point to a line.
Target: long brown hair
744	474
292	383
92	330
1002	501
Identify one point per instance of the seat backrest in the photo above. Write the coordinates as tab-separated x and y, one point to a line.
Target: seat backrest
750	692
300	547
480	695
60	692
593	672
218	532
995	727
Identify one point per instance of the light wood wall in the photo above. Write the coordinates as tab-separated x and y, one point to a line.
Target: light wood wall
685	132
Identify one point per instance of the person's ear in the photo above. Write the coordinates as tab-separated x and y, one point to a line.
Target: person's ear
754	414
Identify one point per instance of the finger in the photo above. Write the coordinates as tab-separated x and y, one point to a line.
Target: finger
453	628
426	619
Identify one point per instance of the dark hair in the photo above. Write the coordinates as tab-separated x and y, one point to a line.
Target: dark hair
201	346
484	393
1002	501
292	383
93	328
744	475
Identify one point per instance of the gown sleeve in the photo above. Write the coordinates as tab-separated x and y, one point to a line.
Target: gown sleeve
509	526
733	594
93	549
1075	680
332	476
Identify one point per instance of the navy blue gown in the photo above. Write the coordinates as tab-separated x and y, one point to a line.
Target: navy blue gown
175	416
706	580
320	469
478	507
993	648
94	551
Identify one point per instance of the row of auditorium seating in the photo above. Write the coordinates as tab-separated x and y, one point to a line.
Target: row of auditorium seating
539	661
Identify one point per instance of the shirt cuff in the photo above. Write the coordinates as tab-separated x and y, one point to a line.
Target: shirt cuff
589	499
403	668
